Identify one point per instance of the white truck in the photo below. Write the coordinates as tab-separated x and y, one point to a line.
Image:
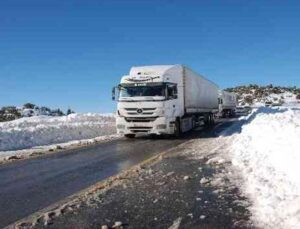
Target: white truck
164	99
227	104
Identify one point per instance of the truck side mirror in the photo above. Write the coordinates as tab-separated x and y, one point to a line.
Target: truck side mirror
113	94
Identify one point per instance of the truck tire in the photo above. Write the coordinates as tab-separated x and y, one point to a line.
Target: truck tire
207	120
212	120
194	125
177	130
129	135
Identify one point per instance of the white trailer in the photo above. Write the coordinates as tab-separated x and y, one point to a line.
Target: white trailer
227	104
164	99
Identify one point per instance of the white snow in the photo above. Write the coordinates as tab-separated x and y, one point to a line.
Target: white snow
266	155
259	154
30	132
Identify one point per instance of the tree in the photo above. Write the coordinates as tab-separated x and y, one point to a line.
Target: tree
57	112
9	113
298	97
69	111
28	106
248	99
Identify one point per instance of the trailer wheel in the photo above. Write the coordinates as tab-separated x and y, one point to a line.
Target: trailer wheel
209	120
193	122
206	120
177	130
212	120
129	135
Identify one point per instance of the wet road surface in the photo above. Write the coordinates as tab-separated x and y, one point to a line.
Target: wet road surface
30	185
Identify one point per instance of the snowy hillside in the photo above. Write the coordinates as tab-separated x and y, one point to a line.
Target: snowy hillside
44	130
270	95
266	154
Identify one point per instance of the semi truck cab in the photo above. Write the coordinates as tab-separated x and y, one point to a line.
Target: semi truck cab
149	100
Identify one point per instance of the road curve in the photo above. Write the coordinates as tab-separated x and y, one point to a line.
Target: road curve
30	185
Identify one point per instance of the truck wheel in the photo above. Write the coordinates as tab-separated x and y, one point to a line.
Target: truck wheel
207	120
129	135
194	122
212	120
177	130
223	114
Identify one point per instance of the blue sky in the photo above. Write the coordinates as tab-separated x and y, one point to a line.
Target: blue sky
64	54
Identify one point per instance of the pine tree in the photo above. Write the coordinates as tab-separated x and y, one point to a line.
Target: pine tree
69	111
29	106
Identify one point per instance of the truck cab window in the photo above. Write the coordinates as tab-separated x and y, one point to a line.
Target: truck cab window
137	91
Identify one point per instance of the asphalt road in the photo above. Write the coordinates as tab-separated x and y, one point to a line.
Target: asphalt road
27	186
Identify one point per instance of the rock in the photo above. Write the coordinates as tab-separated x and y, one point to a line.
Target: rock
104	227
176	223
202	217
170	174
149	171
14	157
198	199
117	224
59	147
160	183
190	215
186	178
204	180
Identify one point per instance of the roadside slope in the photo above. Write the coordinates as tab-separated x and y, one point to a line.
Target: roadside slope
40	133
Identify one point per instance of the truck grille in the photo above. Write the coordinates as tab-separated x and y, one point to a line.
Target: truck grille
140	111
140	119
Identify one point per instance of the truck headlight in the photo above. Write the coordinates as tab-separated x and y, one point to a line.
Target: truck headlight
120	126
161	126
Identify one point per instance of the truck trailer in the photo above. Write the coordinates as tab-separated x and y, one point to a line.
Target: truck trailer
164	99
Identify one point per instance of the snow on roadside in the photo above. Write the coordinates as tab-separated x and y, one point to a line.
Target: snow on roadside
266	155
39	150
30	132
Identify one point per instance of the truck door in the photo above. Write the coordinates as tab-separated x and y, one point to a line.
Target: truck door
172	100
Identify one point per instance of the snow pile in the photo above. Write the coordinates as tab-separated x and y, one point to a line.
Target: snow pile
44	130
267	156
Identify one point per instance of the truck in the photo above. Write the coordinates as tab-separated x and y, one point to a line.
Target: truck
227	104
164	100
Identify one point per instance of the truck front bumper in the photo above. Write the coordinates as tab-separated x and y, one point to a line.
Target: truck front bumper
159	125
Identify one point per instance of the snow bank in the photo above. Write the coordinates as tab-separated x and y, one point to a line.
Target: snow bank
44	130
267	155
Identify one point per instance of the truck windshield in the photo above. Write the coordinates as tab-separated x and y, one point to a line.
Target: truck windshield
134	91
